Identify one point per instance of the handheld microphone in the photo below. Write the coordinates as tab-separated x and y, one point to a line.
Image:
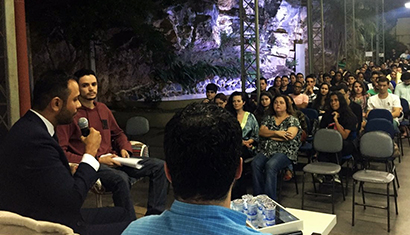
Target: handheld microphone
83	124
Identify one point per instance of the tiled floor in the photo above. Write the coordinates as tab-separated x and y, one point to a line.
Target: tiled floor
369	221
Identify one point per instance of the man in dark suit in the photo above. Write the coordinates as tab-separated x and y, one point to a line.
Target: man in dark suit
35	177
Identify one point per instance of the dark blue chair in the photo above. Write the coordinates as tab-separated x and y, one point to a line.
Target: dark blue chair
380	113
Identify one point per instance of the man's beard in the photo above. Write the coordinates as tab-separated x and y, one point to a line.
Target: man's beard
64	117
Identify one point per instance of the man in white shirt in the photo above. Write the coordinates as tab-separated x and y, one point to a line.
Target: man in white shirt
403	89
385	100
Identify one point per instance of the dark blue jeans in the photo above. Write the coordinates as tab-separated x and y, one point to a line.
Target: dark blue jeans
117	180
265	173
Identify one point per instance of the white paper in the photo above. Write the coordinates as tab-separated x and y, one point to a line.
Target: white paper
130	162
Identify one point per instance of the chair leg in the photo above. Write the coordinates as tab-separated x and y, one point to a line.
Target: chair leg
395	197
353	200
303	190
347	176
401	148
343	191
314	184
296	181
333	194
364	201
388	208
394	171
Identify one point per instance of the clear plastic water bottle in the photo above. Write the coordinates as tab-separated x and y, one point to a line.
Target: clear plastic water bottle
237	205
270	215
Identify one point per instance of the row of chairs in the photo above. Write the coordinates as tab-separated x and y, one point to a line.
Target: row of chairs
377	144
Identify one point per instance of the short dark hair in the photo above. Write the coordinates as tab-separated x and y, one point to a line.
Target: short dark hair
405	76
211	87
376	72
221	96
52	83
311	76
202	146
383	79
326	75
262	78
83	72
340	87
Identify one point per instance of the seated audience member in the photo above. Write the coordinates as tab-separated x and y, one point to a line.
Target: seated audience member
238	106
385	100
320	102
301	100
360	96
211	90
356	108
311	89
292	79
36	180
374	89
281	141
301	118
360	78
340	117
277	83
395	68
337	79
264	107
403	89
327	79
113	176
300	78
285	88
202	147
350	80
274	92
254	93
221	100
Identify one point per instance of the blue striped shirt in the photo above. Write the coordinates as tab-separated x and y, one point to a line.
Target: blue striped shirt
193	219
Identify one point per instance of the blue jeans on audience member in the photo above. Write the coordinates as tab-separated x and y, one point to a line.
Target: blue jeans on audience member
265	173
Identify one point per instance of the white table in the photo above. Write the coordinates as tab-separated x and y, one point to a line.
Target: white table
314	221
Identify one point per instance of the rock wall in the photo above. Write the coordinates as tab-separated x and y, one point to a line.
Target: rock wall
211	33
207	31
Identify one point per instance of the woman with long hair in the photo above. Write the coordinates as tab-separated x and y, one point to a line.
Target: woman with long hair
320	102
278	148
277	82
264	107
359	95
340	117
238	105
